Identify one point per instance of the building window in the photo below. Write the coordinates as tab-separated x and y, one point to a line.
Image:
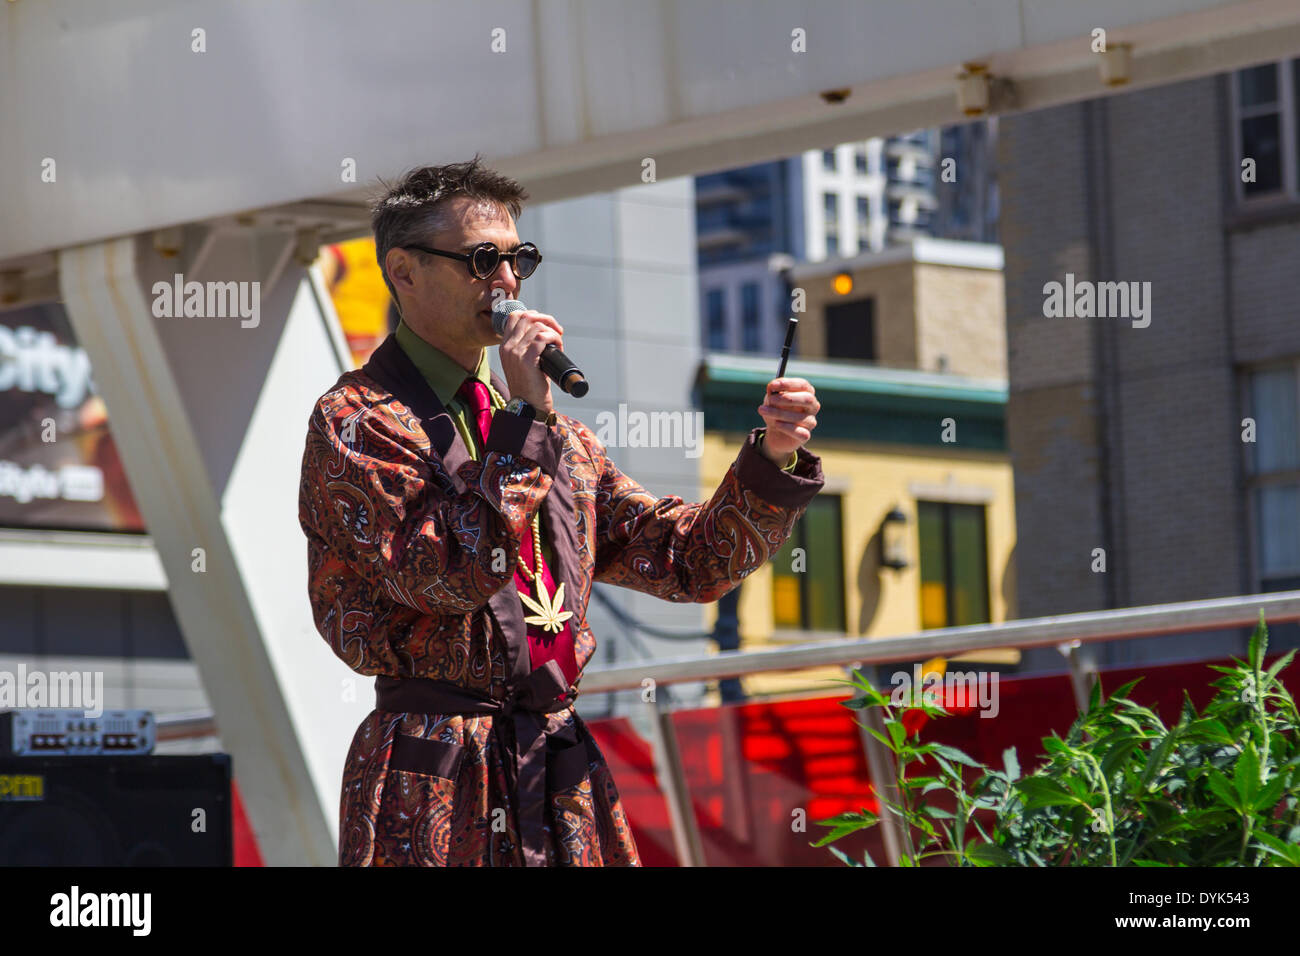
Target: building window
93	622
919	137
1266	103
954	564
830	210
716	217
864	221
749	317
860	160
716	313
784	309
808	586
850	330
828	160
1273	462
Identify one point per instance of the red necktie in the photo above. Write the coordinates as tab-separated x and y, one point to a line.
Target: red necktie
542	645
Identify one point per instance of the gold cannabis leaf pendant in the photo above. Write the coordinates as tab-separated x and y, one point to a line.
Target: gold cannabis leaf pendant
546	612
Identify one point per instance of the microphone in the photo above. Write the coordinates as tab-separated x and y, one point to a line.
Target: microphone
559	368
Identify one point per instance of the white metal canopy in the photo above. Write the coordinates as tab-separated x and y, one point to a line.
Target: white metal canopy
157	113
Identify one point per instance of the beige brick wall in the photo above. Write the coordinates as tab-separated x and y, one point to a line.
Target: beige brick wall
892	288
922	312
960	317
1132	188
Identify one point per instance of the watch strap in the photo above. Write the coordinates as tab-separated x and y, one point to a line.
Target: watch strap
517	406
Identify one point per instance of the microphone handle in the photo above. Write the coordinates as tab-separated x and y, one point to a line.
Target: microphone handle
563	371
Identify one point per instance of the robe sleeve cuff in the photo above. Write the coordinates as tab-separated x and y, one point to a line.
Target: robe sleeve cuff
517	436
785	489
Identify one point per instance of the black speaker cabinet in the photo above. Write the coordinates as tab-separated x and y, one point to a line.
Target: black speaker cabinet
115	811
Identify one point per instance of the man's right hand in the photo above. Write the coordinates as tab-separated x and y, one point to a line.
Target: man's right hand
527	334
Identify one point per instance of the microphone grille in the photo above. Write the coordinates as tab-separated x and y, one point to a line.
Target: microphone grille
501	310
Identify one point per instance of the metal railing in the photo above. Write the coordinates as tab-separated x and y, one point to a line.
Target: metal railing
1066	632
185	726
1085	627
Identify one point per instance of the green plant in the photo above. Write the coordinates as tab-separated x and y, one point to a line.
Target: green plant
1221	788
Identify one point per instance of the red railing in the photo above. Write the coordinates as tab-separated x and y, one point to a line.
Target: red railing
756	772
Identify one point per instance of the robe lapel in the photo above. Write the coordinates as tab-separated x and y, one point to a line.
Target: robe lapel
392	368
561	526
561	520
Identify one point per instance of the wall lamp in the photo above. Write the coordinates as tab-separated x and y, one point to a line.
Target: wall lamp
893	540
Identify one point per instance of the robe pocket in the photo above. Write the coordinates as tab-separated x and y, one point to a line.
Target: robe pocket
419	801
436	758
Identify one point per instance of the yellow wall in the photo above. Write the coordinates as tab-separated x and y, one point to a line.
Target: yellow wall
871	479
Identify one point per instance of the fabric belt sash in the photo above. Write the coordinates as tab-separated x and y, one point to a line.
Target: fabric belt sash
536	762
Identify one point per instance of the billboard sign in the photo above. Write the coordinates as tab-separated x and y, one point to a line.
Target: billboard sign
59	467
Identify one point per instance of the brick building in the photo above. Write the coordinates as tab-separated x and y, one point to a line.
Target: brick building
1129	438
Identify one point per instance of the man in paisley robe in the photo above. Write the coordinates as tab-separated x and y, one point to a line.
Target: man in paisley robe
455	524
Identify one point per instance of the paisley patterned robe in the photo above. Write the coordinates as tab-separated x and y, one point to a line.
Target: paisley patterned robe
411	552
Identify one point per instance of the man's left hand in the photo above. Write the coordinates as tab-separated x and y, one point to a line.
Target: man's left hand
789	409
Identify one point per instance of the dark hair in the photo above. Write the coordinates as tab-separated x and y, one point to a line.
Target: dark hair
409	211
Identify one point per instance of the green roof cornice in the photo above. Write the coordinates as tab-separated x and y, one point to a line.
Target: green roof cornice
861	402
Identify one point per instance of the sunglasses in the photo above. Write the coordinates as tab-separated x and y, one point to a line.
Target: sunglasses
483	259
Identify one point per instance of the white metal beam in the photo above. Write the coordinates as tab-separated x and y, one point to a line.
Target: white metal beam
78	560
581	91
209	415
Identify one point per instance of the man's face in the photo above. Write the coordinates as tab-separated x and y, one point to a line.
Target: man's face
445	301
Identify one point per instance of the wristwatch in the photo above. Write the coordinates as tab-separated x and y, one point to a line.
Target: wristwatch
517	406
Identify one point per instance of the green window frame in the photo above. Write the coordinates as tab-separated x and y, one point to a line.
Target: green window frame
812	599
1273	474
954	564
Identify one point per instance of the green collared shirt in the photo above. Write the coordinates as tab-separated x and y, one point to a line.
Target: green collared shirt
445	376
